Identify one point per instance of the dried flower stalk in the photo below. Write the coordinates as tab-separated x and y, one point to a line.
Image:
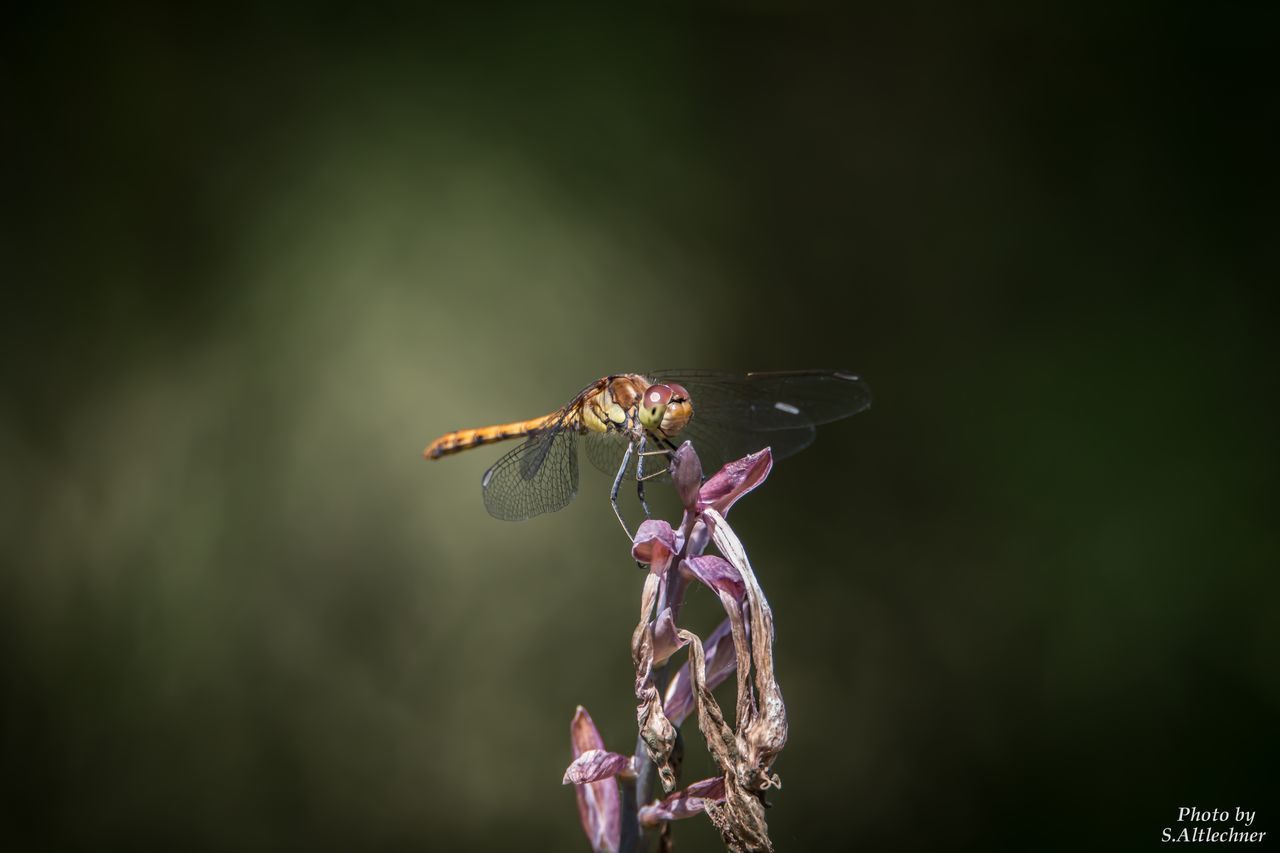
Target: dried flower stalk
745	751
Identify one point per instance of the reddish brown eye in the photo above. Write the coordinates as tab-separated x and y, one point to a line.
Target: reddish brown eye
656	395
678	392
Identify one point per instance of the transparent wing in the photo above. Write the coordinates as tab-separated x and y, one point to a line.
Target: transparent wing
720	443
605	451
739	413
539	476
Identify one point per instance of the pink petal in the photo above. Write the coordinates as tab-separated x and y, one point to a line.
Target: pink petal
594	765
583	733
699	536
734	480
687	803
686	473
717	573
654	545
599	803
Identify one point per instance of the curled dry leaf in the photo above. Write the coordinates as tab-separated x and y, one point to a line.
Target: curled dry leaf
656	731
740	816
766	730
721	662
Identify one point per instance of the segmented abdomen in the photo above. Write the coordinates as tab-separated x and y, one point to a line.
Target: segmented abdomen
465	439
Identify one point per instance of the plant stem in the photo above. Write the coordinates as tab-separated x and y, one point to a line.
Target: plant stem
642	794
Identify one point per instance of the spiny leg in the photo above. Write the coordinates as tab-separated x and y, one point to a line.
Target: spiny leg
617	486
640	476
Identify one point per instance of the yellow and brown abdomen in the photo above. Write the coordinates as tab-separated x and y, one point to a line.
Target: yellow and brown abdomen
465	439
601	406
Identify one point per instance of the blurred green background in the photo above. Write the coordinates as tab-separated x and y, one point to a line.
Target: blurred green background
257	258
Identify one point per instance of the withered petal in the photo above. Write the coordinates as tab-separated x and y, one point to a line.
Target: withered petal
721	662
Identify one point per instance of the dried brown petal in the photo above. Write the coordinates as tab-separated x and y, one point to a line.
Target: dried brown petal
658	734
720	663
720	738
656	731
766	733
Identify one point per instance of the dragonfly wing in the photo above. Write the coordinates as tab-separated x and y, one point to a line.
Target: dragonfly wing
739	413
720	442
772	400
605	451
539	476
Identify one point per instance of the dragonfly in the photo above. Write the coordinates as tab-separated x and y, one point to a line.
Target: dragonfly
626	418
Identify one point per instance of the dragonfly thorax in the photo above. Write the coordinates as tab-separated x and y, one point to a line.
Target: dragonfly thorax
633	405
610	407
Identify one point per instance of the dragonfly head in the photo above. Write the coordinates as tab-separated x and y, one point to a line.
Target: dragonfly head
665	408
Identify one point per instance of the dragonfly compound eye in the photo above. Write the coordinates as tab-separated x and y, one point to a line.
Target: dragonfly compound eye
653	405
679	410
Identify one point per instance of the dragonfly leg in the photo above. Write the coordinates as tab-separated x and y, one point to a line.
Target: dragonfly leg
617	486
640	477
654	475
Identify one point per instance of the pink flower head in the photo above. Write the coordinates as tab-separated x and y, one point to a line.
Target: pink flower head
720	492
743	643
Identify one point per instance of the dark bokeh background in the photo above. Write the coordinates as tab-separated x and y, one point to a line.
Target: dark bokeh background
255	260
